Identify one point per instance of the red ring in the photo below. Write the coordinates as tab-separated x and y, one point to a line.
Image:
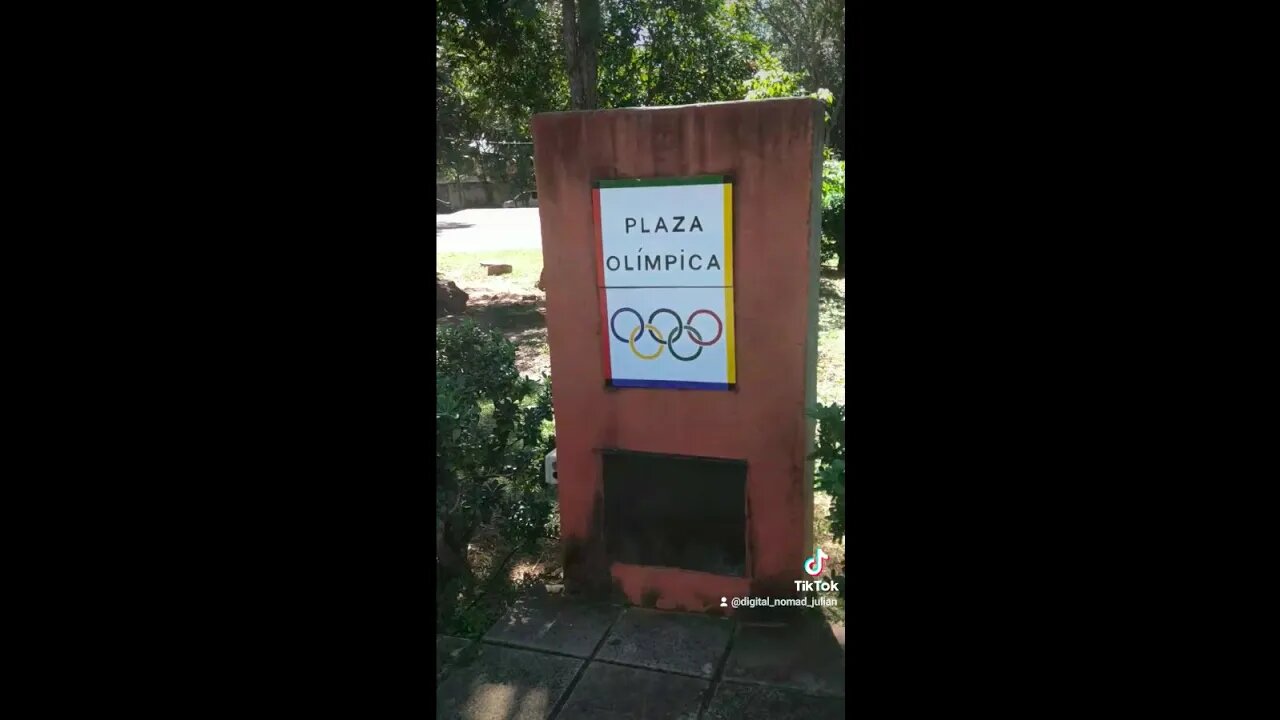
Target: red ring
719	327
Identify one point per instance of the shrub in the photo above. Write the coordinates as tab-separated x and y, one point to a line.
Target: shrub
833	211
489	451
772	81
829	454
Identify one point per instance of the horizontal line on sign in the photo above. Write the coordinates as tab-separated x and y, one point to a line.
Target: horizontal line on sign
646	287
670	384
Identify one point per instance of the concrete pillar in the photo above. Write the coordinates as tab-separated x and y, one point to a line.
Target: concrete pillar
772	151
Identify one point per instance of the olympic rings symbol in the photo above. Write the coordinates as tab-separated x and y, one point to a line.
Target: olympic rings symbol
667	342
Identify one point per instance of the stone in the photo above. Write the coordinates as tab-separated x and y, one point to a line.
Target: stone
542	280
613	692
736	701
674	642
450	299
497	268
555	624
448	649
500	683
804	655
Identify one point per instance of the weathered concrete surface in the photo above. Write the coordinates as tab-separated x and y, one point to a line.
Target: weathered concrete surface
689	644
734	701
612	692
555	624
772	151
499	683
803	655
447	650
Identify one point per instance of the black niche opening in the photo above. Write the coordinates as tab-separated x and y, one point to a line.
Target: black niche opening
676	511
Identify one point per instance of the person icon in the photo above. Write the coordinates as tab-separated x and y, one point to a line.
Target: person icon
724	602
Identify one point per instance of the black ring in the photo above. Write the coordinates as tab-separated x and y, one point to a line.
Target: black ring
639	321
676	355
677	332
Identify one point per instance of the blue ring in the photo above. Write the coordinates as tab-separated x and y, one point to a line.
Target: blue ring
639	321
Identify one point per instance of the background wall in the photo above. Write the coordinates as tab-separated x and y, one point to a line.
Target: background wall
473	194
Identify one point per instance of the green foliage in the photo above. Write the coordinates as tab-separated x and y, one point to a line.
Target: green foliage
490	447
673	52
808	37
829	456
497	64
468	622
772	81
833	206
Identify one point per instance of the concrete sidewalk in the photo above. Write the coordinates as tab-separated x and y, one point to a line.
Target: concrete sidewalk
562	659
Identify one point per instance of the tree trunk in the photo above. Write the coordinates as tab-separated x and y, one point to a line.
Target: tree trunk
581	31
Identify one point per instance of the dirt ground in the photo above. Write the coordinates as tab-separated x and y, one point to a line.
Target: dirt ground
509	302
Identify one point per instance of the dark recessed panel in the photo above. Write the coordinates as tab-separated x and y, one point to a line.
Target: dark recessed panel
675	511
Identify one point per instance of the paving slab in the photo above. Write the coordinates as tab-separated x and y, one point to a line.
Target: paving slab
556	624
501	683
447	650
674	642
614	692
735	701
803	655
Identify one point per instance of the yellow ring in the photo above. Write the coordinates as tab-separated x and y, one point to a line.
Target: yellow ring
632	341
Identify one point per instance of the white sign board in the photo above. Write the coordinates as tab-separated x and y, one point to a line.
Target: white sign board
665	273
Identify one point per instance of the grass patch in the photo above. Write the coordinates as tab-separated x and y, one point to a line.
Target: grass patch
831	341
464	269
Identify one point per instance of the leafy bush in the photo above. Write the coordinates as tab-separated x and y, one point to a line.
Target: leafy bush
489	451
829	454
772	81
833	210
